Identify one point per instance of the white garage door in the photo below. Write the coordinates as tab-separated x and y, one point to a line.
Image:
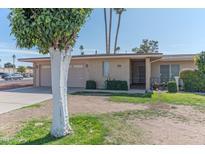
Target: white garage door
76	76
45	76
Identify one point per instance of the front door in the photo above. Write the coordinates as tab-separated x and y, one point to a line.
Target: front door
138	74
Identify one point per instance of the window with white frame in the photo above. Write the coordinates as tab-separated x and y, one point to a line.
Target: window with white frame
106	68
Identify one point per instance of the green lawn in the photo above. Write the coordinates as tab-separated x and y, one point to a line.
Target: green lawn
163	97
87	130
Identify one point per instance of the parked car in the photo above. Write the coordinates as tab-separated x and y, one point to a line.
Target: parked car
15	76
26	75
3	75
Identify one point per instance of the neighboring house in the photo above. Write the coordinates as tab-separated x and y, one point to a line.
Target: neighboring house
139	70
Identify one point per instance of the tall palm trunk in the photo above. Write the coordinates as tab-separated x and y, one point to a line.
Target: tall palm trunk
106	37
116	37
110	30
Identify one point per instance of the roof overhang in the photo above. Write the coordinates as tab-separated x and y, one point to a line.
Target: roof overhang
180	57
100	56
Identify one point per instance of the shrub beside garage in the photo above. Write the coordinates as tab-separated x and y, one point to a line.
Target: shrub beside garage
90	84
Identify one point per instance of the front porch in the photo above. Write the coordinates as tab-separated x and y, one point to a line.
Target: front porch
140	74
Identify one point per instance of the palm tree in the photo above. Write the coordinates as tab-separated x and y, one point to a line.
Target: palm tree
110	30
108	35
14	58
81	49
106	39
119	11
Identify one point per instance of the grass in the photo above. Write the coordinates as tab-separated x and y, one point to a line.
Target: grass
87	130
38	105
87	93
112	128
155	97
163	97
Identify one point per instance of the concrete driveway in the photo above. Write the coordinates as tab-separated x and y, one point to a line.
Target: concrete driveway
18	98
21	97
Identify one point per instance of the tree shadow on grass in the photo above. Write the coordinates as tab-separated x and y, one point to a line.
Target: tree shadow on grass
44	140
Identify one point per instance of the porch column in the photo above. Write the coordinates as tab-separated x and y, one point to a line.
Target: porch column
36	75
148	73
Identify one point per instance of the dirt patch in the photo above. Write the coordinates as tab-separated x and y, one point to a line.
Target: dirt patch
181	125
160	106
171	131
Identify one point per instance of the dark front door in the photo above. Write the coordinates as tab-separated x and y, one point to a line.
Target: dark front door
138	74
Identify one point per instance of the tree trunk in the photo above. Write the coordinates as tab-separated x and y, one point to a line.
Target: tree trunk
59	75
116	37
110	30
106	39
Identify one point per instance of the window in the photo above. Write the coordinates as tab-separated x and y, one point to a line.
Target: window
164	73
174	70
169	72
106	69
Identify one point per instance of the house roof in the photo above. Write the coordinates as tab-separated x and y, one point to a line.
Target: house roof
155	56
99	56
178	57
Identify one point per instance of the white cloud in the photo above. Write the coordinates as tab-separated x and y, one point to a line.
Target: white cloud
18	51
11	48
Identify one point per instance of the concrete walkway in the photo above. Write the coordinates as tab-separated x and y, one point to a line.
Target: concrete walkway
21	97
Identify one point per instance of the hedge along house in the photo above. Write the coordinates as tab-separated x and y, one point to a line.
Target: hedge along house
139	70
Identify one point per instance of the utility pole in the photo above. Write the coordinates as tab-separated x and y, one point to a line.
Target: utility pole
14	58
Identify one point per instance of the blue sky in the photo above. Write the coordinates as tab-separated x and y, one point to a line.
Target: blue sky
177	30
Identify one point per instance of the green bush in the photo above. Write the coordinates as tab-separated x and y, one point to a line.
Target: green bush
116	85
193	81
172	87
90	84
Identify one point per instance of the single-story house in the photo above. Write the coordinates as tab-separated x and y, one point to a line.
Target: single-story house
139	70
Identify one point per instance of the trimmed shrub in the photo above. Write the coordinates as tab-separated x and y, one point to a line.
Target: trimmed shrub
172	87
90	84
193	81
116	85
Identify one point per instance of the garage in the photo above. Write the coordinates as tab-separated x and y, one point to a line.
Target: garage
45	75
76	75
